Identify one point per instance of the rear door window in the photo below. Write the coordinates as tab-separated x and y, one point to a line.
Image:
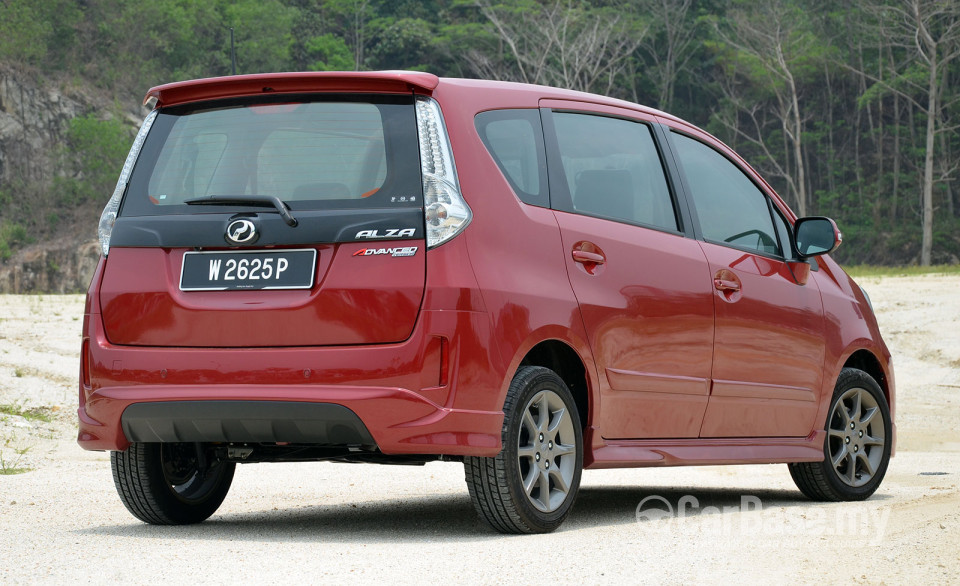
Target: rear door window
312	154
613	170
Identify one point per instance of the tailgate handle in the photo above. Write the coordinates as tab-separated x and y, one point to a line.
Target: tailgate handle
582	256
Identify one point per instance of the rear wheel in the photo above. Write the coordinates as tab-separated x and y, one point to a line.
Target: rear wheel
531	485
857	448
171	483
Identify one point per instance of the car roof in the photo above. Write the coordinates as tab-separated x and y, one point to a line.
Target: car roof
196	90
543	92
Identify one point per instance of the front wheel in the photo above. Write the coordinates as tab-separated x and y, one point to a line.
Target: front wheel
171	483
530	486
857	448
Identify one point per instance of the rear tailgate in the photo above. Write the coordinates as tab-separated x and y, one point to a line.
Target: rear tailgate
199	256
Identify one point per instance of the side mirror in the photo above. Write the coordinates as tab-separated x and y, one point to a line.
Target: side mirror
816	235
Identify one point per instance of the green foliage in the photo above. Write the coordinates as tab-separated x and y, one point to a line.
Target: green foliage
11	236
37	33
30	414
262	31
406	43
875	271
9	468
98	148
862	133
23	35
329	53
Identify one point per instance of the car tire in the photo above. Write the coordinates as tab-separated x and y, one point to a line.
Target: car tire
171	483
530	486
857	446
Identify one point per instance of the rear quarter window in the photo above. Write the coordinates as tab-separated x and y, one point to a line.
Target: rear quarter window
514	138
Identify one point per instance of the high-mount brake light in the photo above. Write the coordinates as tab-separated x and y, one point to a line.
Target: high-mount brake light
109	215
445	211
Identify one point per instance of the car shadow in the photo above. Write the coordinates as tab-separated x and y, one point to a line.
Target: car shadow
429	518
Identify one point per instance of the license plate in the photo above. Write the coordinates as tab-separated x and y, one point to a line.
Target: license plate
248	270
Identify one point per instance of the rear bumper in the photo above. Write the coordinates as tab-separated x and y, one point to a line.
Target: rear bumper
397	421
440	392
246	422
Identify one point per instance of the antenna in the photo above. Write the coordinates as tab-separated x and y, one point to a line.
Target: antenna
233	55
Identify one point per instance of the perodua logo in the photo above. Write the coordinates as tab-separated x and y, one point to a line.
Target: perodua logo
241	231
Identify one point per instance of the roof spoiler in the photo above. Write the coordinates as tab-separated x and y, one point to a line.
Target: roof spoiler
213	88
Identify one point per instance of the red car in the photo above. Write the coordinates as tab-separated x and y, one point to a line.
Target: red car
396	268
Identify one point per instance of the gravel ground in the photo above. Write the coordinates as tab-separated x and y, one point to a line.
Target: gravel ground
62	521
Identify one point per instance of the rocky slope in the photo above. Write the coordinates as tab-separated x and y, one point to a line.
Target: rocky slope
50	267
35	113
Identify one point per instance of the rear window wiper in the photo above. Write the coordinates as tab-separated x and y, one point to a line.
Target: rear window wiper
251	200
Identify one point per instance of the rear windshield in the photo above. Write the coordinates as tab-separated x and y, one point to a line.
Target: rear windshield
329	153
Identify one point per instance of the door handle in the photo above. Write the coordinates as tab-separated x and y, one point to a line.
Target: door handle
582	256
726	285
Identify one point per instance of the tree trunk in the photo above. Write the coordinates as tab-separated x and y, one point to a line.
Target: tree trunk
896	159
797	139
926	246
945	157
831	143
878	144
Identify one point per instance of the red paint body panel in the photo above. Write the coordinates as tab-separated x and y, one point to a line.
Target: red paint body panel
389	386
850	327
769	338
515	250
423	349
353	307
649	318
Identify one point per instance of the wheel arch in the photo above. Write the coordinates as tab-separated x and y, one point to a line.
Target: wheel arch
882	372
866	361
562	358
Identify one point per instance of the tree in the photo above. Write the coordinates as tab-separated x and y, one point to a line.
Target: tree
264	34
928	32
669	46
93	152
402	43
937	26
355	16
329	53
561	43
768	43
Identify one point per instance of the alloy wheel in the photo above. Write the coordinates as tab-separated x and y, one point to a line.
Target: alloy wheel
856	437
546	451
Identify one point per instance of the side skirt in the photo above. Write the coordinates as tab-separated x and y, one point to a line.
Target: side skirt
700	451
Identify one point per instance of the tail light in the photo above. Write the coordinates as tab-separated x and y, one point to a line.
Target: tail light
109	215
445	211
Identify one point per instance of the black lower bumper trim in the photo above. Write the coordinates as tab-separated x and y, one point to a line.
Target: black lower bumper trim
245	421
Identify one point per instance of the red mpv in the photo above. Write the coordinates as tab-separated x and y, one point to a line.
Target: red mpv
391	267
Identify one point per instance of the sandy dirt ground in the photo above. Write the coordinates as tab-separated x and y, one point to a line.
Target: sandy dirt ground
62	521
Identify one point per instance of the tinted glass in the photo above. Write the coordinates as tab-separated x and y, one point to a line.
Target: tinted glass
731	209
783	232
613	169
515	140
318	154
